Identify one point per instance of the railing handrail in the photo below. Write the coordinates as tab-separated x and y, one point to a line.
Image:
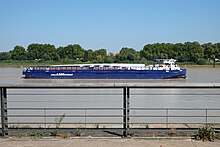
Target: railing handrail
110	108
125	110
45	108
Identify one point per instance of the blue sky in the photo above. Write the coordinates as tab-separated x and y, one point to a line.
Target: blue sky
109	24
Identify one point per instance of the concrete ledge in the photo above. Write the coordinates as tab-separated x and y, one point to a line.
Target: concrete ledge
105	143
118	84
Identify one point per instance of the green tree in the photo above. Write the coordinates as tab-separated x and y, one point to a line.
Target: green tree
149	52
61	52
217	50
46	57
35	51
183	52
194	51
50	52
128	54
72	52
42	51
19	53
99	55
88	55
189	51
108	59
210	51
5	55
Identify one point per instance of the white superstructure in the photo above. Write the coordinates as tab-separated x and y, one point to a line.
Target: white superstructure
166	64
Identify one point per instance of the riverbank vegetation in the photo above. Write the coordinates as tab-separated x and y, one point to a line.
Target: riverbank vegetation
47	54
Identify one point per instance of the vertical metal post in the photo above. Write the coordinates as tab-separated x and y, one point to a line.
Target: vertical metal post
167	120
128	107
4	115
125	123
45	118
85	116
206	116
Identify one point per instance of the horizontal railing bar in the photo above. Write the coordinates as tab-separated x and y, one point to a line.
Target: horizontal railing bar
174	94
116	108
115	85
23	94
136	123
65	108
43	123
174	87
112	116
174	108
67	94
60	87
60	101
174	116
65	115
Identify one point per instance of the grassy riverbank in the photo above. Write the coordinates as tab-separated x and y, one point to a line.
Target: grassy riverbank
19	63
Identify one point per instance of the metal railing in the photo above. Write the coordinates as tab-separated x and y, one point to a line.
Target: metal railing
123	116
204	114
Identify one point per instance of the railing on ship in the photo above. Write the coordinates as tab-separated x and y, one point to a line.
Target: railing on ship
121	106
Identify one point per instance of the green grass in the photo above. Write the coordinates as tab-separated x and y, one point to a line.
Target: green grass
206	133
19	63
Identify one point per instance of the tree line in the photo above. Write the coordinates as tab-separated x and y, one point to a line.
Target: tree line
192	52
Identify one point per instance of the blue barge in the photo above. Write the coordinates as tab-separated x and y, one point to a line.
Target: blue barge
168	69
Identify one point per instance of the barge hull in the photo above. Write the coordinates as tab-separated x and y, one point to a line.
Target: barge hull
105	74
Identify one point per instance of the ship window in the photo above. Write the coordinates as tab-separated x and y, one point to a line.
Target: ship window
106	67
96	68
116	67
85	67
68	68
78	68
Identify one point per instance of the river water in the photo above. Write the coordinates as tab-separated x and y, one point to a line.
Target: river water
195	74
112	98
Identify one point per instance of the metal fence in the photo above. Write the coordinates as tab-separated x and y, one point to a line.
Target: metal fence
113	106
